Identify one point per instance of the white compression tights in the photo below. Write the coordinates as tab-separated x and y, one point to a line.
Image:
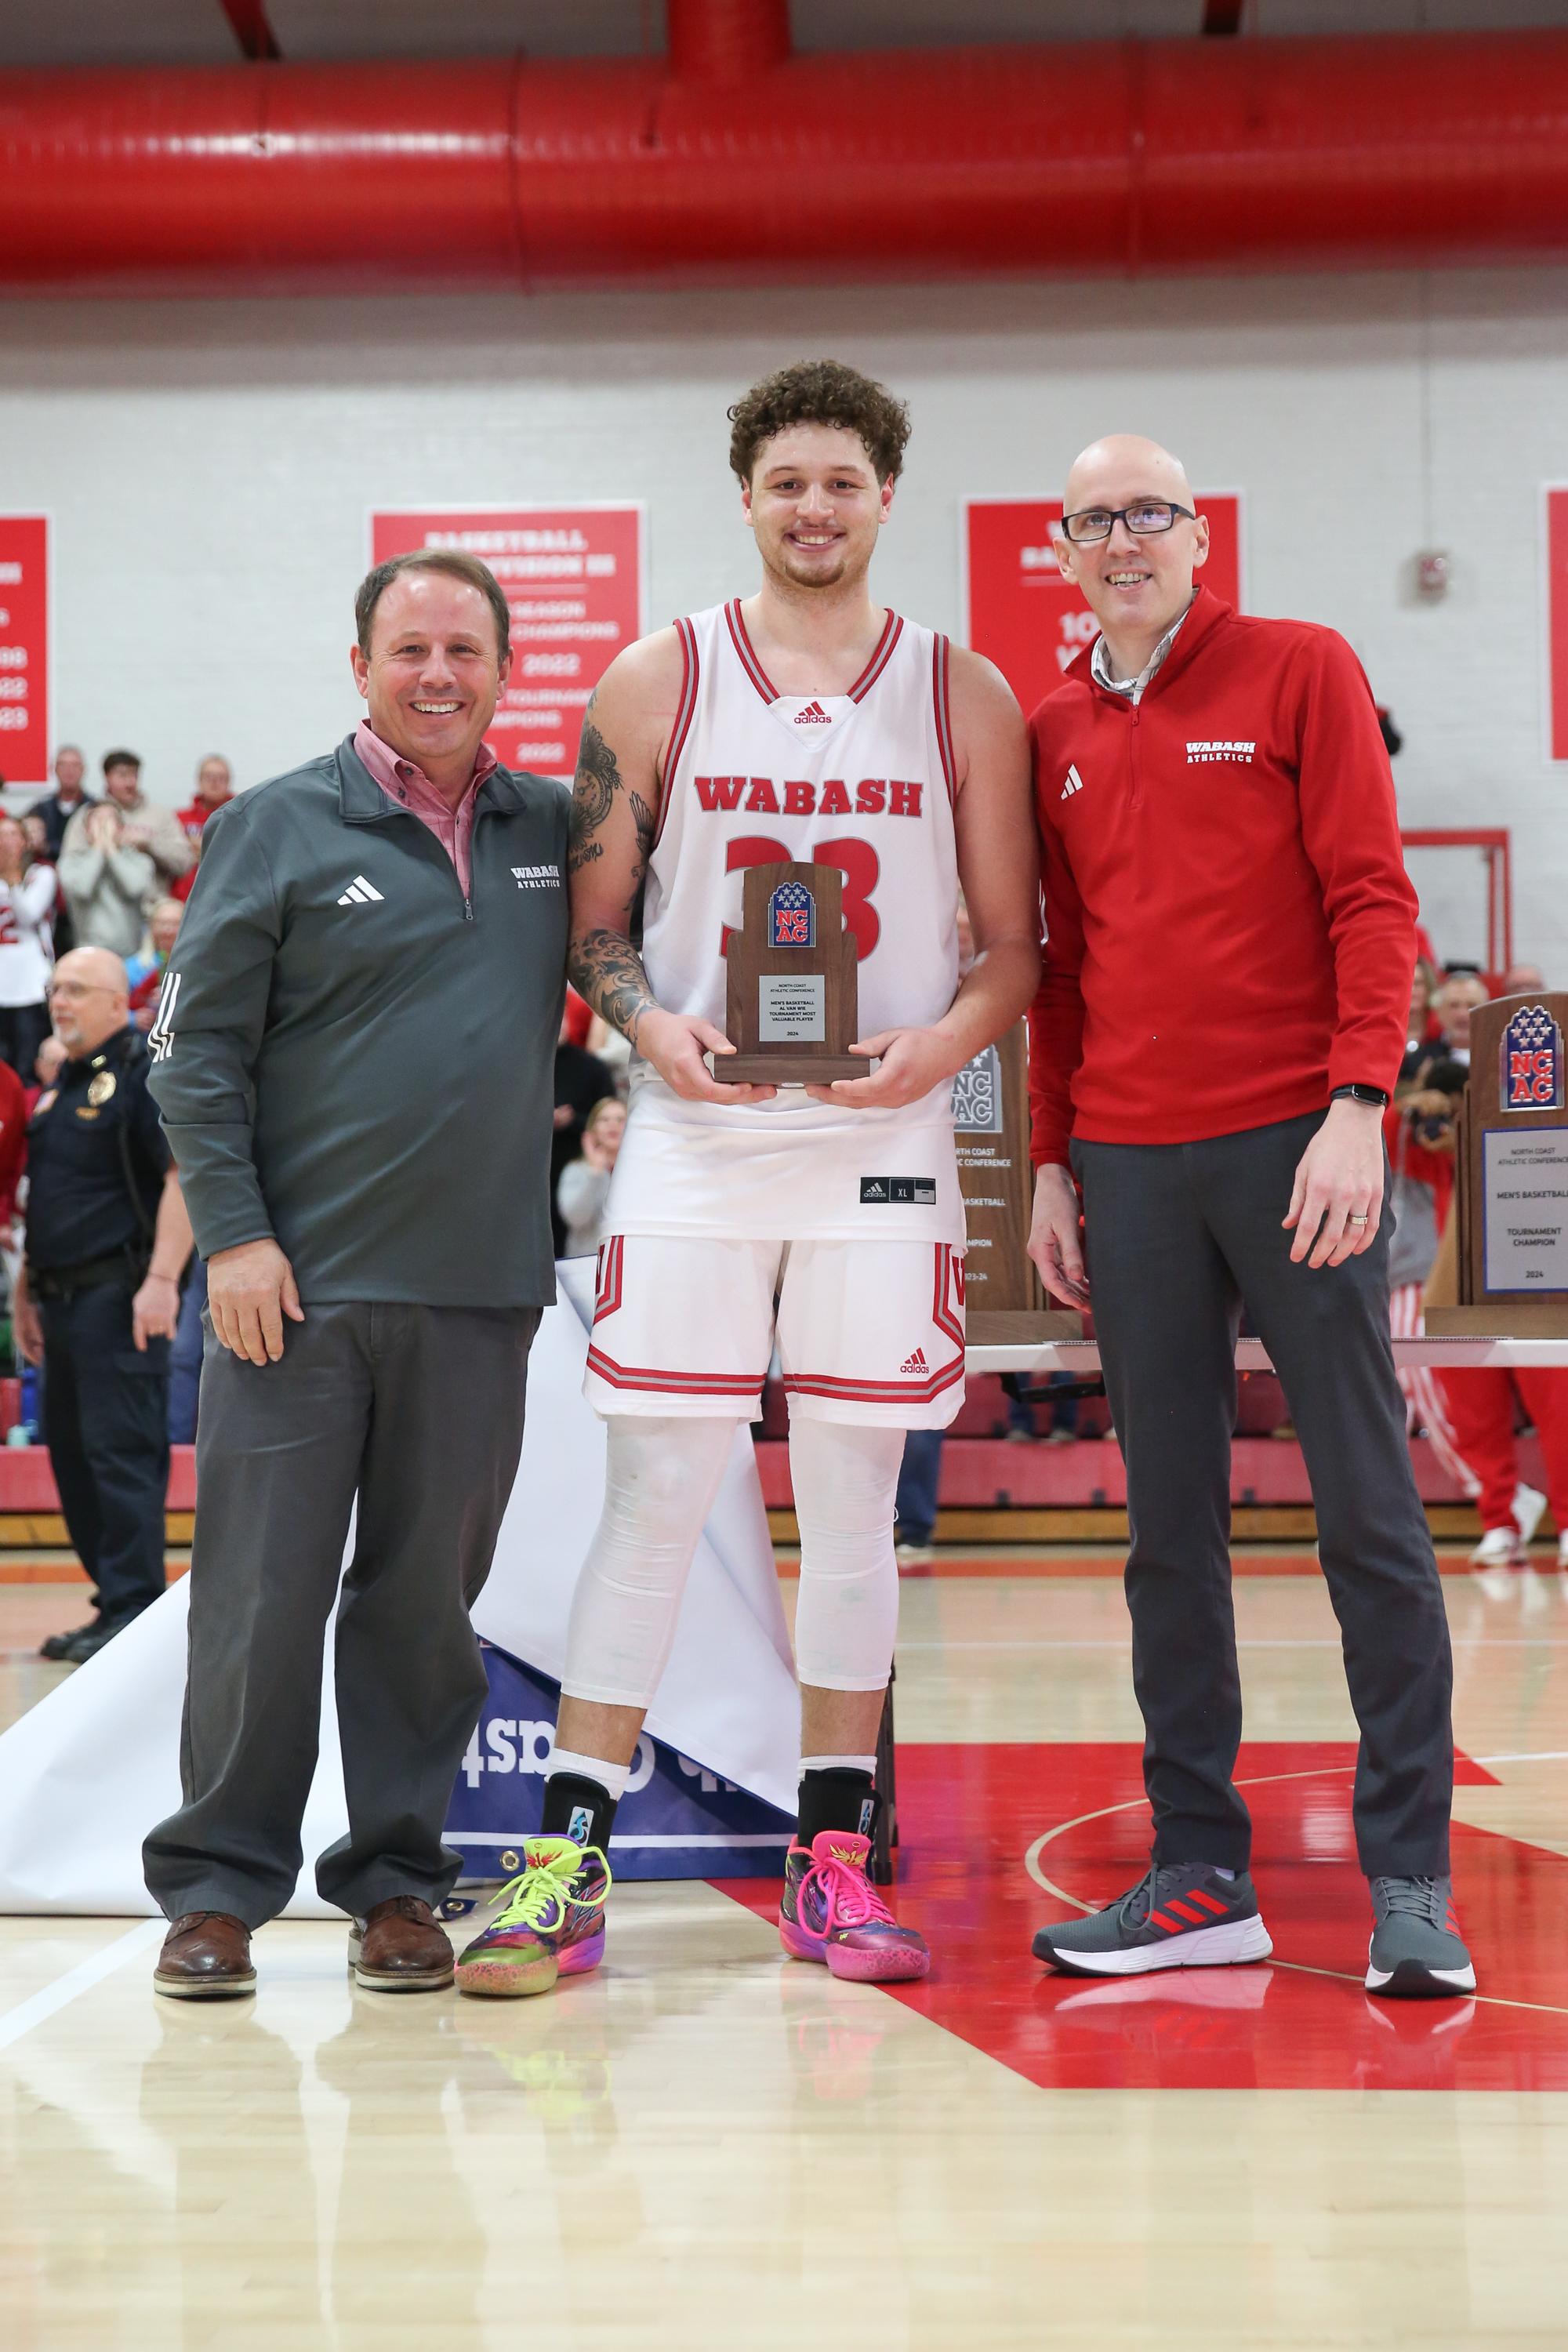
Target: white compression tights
845	1475
660	1478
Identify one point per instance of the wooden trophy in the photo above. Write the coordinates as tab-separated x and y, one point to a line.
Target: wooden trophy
792	983
1511	1177
1004	1302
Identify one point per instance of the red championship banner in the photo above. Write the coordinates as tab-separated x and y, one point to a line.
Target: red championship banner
1554	543
1019	611
24	648
574	582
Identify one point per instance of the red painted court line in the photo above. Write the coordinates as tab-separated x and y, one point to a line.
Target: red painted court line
969	1816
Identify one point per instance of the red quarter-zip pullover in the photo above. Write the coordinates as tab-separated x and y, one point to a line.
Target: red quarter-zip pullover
1230	930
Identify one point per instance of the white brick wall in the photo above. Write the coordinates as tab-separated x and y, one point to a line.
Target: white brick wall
210	466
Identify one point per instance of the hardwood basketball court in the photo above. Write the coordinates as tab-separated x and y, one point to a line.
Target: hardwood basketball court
705	2146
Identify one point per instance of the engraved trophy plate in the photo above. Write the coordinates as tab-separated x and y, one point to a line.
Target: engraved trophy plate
791	1009
1524	1222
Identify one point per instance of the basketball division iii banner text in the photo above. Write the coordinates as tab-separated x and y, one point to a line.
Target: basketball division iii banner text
574	583
24	648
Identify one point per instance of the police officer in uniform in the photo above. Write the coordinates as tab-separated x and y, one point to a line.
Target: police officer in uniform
98	1300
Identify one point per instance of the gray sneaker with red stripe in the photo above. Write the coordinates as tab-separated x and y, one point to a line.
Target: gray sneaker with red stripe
1182	1915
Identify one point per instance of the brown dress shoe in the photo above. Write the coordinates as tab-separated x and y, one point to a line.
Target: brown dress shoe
398	1948
205	1957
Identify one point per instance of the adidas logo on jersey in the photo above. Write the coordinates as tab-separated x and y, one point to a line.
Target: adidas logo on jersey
813	715
361	893
911	1192
1073	784
915	1363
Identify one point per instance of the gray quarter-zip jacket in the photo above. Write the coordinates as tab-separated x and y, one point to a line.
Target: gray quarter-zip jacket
351	1057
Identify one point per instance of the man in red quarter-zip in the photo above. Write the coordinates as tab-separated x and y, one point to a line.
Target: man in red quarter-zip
1216	809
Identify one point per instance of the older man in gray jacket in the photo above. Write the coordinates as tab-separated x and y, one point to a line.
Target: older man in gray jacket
354	1051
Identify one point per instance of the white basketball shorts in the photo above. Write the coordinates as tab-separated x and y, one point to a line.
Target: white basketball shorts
866	1330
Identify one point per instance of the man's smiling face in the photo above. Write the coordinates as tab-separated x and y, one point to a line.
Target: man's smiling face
1136	583
432	678
815	505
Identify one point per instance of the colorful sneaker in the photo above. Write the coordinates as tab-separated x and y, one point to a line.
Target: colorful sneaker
551	1921
832	1913
1182	1915
1416	1952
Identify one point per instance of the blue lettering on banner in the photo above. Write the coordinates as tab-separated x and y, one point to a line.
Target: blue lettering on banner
677	1820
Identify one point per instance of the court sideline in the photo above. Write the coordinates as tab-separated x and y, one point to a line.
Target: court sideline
709	2144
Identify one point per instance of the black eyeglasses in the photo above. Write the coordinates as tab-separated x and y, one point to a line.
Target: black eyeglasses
1149	516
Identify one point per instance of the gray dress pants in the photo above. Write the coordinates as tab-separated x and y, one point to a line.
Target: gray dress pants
415	1412
1179	1236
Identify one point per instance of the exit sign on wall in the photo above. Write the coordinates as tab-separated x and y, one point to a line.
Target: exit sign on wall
24	648
1022	614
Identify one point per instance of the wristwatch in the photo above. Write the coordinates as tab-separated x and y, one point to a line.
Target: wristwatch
1361	1094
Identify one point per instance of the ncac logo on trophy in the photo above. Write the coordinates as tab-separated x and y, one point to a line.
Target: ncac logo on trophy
792	916
1531	1077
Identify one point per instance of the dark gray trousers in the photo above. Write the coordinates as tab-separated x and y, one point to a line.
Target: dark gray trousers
417	1414
1179	1236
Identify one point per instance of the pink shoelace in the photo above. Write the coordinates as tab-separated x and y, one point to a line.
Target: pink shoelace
850	1898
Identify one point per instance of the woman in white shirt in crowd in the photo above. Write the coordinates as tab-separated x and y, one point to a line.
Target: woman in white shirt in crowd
585	1184
27	897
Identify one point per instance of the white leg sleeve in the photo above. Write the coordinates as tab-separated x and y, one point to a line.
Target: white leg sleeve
660	1478
845	1475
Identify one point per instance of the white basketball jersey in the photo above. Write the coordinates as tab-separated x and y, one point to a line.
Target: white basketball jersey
863	781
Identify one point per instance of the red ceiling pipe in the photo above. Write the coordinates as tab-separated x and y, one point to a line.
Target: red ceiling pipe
727	37
1084	160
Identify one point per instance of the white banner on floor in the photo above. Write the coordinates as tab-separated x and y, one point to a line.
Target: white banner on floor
84	1776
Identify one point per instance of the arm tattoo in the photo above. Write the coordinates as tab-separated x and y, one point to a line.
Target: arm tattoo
604	965
605	968
593	789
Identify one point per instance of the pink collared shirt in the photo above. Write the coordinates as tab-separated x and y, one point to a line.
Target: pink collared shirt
411	788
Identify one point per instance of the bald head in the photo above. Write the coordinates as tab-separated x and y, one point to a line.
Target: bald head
1122	467
1137	582
89	1000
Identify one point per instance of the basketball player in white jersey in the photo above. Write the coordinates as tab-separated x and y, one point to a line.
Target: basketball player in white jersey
803	722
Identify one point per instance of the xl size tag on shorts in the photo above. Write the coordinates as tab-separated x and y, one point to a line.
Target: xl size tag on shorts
918	1191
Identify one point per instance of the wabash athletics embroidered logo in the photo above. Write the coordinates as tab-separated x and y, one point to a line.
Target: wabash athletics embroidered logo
792	916
537	877
1238	754
814	715
1531	1060
911	1192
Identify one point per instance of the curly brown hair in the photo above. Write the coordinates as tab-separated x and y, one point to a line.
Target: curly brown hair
820	392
